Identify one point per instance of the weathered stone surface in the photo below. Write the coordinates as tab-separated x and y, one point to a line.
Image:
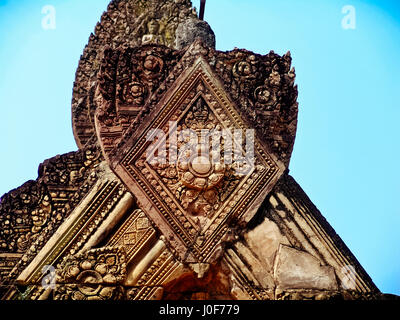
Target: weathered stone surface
191	30
264	240
261	271
305	228
295	269
213	286
310	294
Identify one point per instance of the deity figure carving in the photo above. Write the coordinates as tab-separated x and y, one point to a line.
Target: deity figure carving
153	33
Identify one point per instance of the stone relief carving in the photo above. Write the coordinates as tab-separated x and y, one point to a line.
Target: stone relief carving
133	234
197	194
31	214
153	36
26	213
93	275
126	23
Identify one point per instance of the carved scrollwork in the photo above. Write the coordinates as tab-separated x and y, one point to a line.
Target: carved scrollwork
31	214
134	93
125	24
265	99
94	275
23	214
153	65
263	87
244	70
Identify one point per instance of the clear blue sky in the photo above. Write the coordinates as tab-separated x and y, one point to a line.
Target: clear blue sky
346	155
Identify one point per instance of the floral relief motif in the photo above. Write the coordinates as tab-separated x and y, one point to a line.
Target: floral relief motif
134	93
265	99
93	275
200	176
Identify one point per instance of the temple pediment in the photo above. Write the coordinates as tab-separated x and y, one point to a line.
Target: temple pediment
180	188
193	162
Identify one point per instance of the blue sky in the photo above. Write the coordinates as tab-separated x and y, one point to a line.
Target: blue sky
346	155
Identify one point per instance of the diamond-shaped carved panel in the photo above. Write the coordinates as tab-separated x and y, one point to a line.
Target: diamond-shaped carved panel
194	164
